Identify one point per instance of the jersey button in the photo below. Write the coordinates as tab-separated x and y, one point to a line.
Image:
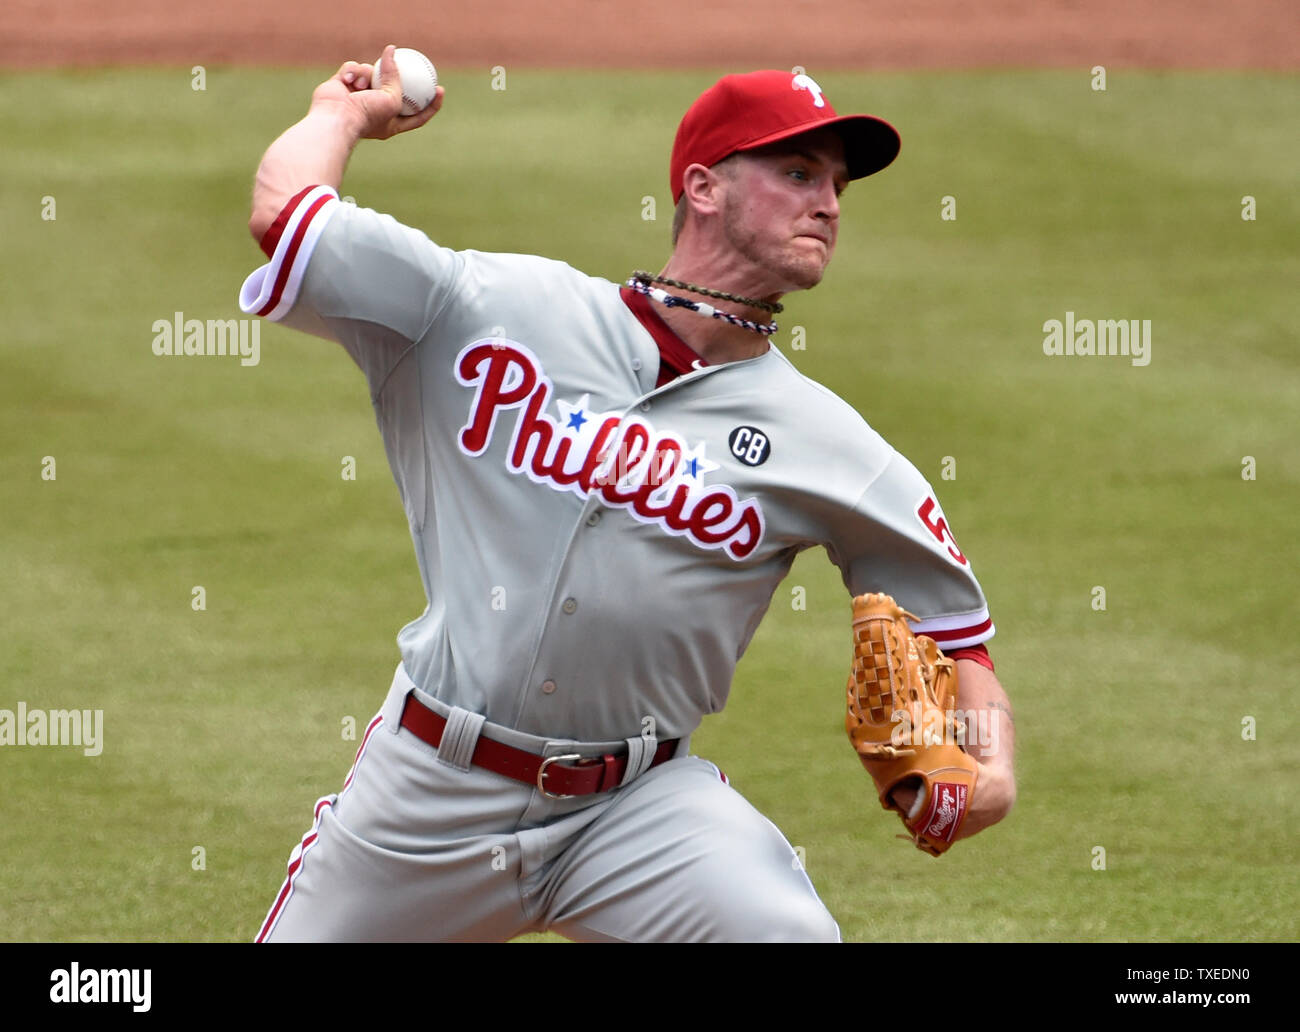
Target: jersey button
636	365
570	605
645	406
594	518
548	687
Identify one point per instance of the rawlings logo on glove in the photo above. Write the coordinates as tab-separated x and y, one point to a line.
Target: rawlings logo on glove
897	681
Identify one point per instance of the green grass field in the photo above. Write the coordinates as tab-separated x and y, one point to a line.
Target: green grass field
222	726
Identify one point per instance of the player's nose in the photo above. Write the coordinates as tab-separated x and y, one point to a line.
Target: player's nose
828	204
829	217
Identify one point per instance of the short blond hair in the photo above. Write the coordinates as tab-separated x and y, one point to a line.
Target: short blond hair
679	218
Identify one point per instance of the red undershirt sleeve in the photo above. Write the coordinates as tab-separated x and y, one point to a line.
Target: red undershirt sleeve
978	653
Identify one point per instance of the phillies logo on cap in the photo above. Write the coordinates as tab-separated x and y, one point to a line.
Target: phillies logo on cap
806	82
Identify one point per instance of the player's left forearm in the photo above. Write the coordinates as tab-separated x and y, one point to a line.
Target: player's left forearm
982	698
991	739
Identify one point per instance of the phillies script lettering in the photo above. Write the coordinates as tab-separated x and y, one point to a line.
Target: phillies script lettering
653	475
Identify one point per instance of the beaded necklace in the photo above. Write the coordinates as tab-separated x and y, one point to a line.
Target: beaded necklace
673	301
767	306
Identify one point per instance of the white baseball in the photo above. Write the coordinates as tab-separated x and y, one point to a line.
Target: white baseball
419	79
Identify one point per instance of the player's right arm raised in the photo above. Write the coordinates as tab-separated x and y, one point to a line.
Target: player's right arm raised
315	150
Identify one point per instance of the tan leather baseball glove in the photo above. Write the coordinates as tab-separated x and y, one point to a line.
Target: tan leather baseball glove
902	695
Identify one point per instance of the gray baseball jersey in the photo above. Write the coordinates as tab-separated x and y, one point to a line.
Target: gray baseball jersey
595	549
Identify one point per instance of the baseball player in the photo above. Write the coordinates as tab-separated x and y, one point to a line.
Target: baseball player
605	484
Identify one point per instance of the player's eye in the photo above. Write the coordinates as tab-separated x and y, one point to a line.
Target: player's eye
799	174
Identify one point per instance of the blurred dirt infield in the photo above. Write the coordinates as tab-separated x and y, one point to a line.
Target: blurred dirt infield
855	34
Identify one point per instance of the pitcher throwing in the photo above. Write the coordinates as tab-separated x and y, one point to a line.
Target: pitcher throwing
605	483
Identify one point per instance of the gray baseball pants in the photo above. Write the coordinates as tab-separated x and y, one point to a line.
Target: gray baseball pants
422	847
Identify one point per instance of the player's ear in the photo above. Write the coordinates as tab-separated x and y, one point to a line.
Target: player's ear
703	188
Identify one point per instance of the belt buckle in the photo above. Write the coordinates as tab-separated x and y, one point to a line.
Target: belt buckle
541	774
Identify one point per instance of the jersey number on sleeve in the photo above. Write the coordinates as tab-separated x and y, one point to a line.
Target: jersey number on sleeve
932	516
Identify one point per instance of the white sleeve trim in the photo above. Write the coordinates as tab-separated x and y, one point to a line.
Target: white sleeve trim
272	290
957	632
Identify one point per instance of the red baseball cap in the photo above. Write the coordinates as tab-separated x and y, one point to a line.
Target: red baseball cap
741	112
